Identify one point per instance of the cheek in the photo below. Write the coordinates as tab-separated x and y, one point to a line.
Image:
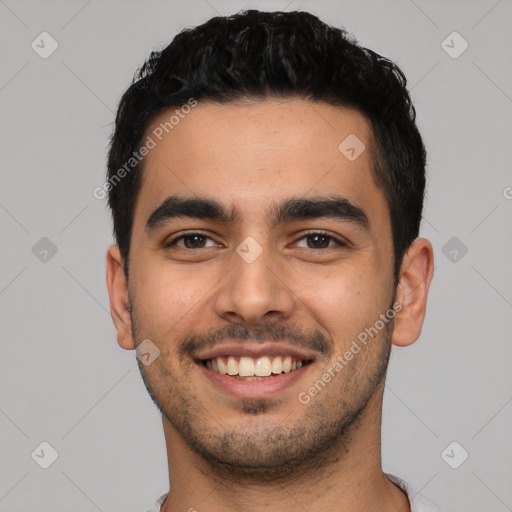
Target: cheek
169	298
345	300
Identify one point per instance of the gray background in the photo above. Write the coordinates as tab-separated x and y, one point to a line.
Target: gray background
64	380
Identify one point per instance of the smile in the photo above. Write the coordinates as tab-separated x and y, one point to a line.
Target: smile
254	370
249	368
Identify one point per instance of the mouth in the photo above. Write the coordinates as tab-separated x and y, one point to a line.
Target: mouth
253	370
250	368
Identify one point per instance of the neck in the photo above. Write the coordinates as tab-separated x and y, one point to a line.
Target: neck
350	479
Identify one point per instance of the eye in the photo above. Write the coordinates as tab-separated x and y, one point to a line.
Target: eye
190	241
321	240
197	240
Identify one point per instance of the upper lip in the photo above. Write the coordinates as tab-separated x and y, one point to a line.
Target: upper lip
255	350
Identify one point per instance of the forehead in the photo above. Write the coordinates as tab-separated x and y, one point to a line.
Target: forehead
251	155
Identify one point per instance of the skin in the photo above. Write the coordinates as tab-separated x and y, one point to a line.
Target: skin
224	452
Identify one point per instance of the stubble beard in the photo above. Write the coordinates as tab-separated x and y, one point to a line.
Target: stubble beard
262	451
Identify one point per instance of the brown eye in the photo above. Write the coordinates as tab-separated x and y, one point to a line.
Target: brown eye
190	241
194	241
319	240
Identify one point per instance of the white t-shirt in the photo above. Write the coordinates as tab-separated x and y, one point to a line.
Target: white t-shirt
418	503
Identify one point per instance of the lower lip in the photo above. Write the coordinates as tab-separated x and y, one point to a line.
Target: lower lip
254	388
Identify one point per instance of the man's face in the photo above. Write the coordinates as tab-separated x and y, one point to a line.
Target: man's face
266	284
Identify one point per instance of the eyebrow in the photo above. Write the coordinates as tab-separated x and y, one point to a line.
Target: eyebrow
291	209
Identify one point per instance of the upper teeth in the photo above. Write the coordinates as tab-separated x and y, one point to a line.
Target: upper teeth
249	367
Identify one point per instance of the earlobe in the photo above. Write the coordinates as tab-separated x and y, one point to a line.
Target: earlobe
119	301
412	292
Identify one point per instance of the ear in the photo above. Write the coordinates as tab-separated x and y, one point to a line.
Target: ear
119	300
415	276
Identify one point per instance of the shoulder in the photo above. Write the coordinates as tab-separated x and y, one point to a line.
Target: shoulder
418	503
158	504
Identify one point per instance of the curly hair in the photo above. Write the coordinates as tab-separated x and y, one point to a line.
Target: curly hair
256	55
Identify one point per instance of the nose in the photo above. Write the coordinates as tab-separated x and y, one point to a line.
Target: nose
255	291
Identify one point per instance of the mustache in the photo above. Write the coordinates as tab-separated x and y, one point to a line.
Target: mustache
312	340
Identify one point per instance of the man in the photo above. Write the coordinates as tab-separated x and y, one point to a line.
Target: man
266	180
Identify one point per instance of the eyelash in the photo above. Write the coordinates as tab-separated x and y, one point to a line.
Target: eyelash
306	235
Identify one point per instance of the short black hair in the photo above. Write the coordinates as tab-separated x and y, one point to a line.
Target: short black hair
255	55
